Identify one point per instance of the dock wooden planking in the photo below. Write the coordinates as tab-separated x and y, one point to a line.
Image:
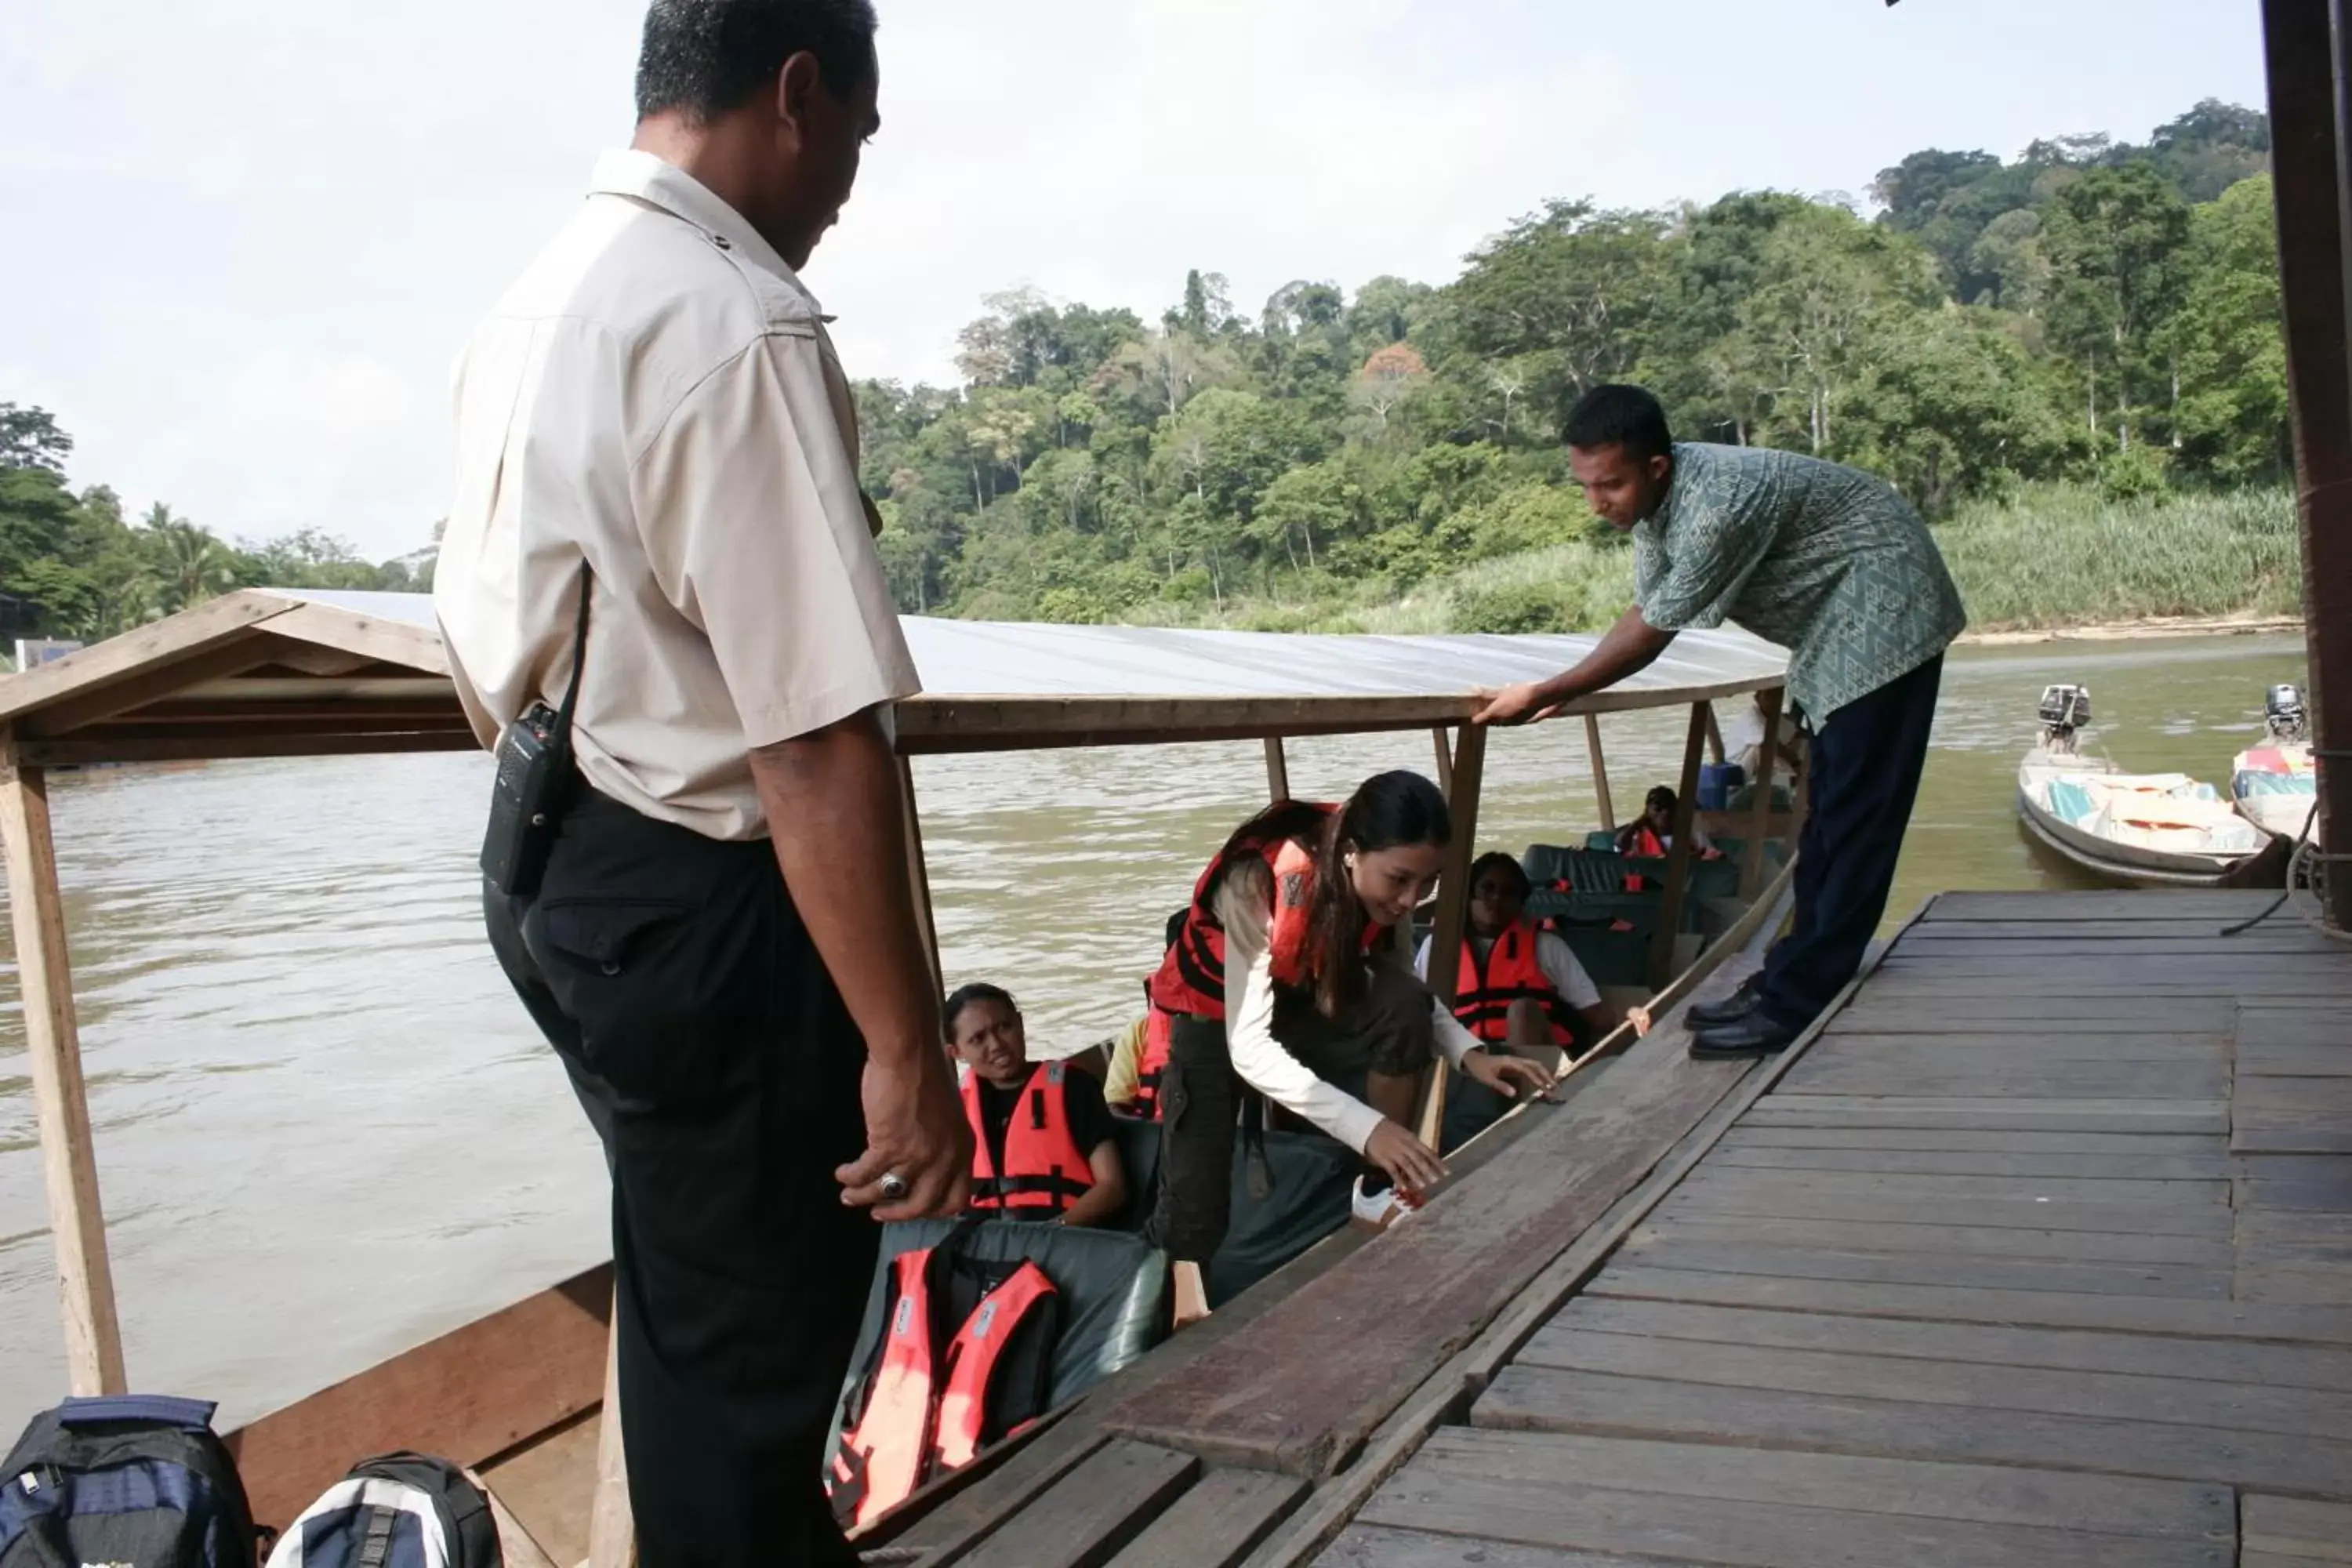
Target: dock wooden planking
1217	1524
2061	1197
1086	1518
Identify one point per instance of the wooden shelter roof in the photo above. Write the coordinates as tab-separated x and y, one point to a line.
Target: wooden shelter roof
270	672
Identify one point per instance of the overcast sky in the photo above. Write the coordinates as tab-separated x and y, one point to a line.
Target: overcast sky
244	238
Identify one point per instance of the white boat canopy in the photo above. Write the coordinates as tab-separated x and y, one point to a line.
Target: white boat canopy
268	672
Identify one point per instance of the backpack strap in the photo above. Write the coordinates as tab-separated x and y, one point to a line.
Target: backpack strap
378	1544
162	1410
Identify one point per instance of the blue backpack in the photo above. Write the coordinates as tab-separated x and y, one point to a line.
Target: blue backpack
123	1481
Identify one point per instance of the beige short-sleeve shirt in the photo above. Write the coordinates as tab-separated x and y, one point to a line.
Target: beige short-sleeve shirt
657	396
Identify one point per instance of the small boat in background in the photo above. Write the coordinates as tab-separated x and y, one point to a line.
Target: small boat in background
2148	830
2274	783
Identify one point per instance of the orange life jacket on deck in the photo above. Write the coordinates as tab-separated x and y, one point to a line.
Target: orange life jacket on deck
1193	979
1151	1063
1045	1168
1512	974
925	1412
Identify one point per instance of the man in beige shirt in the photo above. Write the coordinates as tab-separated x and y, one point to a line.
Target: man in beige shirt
721	946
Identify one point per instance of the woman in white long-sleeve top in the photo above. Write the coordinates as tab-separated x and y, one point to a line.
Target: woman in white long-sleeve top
1284	980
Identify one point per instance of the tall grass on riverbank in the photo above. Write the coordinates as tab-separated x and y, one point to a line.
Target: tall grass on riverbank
2064	555
2048	557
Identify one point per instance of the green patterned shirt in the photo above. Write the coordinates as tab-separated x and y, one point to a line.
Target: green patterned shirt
1824	560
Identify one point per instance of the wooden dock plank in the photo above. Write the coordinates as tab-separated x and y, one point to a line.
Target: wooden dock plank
1992	1113
2116	1191
2104	1505
1217	1524
2042	1309
2298	1530
1371	1546
1748	1134
1278	1399
2073	1350
1856	1236
2267	1025
2213	1166
1513	1494
1084	1518
2295	1182
2118	1396
2104	908
2291	1116
2273	1058
1544	1400
1873	1012
1837	1072
2023	1049
1902	1199
1984	1271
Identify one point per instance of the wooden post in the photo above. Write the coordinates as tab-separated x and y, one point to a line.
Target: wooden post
1277	770
1445	762
2304	46
1469	768
1713	735
1600	772
1679	858
53	1047
612	1525
1759	815
918	876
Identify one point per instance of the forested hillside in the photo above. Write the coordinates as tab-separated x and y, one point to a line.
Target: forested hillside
2090	312
2097	316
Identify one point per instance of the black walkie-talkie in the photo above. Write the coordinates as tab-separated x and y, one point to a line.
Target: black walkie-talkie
534	781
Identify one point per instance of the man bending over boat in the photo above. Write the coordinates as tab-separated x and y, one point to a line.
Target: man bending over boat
1830	563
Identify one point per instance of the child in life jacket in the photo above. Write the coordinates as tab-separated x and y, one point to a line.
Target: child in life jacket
1138	1058
1516	987
1652	834
1286	979
1042	1138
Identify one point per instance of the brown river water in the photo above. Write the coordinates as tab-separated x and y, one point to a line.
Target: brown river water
327	1133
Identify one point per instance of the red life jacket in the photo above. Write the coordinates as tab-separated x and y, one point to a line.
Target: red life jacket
1483	1000
1151	1062
1045	1168
914	1424
1193	979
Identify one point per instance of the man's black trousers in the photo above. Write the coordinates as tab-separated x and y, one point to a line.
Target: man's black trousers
1867	757
720	1069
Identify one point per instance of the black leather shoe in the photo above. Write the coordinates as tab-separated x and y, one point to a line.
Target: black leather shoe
1754	1035
1730	1010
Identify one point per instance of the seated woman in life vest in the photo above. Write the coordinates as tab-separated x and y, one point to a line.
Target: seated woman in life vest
1652	834
1042	1138
1286	978
1517	988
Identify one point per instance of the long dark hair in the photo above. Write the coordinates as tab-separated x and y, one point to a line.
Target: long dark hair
1387	810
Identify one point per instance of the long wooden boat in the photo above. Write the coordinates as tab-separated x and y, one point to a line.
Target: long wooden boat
521	1394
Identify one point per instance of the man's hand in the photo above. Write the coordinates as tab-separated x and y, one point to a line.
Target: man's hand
915	1129
1513	1076
1521	704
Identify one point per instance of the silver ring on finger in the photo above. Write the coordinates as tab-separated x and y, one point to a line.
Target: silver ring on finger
892	1186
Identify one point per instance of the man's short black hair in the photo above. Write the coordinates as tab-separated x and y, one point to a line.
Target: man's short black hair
705	58
1618	415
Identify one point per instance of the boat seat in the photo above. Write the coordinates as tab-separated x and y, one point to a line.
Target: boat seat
1114	1292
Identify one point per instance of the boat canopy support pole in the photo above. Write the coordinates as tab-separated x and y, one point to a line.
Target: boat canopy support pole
2306	45
1444	760
1600	772
1679	858
1759	817
53	1043
1277	770
1468	770
919	875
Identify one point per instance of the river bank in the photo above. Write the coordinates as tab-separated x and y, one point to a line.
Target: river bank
2132	631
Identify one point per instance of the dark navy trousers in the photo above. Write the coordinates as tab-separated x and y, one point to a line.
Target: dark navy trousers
1867	757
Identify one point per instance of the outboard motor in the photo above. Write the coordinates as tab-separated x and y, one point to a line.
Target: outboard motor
2064	710
2284	713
